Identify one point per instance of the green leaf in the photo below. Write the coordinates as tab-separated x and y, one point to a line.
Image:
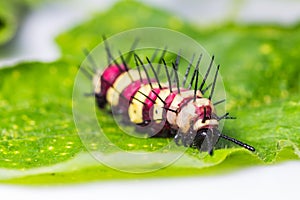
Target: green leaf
37	127
38	139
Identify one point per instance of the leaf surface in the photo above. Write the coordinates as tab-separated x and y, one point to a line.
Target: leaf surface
259	66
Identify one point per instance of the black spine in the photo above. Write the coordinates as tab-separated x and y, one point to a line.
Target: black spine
91	60
125	65
160	60
88	74
219	102
188	70
192	80
157	95
154	72
168	75
204	91
242	144
141	62
109	55
206	75
147	97
176	78
132	97
133	46
197	75
214	84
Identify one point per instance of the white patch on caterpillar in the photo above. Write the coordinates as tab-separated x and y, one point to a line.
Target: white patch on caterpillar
158	109
186	116
135	110
122	82
171	116
204	102
209	122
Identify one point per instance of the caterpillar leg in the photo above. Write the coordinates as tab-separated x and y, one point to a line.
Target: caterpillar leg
184	139
100	100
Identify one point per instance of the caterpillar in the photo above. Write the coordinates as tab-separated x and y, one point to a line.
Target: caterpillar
163	109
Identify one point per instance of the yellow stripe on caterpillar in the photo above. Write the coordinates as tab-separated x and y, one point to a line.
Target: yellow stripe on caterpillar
123	81
135	110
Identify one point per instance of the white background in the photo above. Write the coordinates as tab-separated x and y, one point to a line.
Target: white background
35	42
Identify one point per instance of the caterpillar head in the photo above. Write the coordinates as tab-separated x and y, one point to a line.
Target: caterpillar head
200	129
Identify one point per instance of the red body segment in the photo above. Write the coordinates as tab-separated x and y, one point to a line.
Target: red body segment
109	76
170	99
200	111
127	95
